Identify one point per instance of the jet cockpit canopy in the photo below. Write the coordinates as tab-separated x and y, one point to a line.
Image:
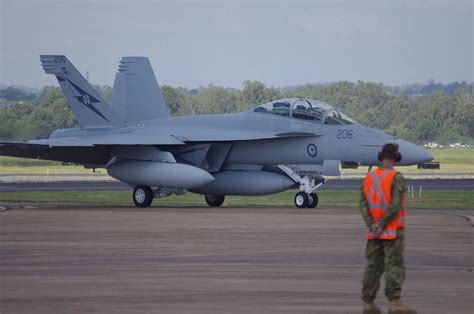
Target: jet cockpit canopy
305	109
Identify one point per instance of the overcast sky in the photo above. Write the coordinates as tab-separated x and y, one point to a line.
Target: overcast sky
226	42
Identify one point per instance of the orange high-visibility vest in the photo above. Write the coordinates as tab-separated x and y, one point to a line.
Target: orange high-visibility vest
378	193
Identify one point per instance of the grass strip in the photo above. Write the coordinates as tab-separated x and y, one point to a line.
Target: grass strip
443	199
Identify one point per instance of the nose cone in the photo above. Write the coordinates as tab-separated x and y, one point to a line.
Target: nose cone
412	154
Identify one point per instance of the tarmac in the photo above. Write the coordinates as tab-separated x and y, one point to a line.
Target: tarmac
120	259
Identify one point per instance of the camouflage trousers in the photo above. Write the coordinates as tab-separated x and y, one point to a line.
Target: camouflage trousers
384	255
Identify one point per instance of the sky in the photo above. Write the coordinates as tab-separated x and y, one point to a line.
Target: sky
224	43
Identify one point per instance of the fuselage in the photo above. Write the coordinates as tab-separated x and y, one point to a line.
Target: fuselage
299	141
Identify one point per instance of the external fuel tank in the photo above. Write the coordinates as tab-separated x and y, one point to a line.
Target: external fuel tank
246	183
159	174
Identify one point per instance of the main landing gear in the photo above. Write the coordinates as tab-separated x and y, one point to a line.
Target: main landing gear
306	197
214	200
142	196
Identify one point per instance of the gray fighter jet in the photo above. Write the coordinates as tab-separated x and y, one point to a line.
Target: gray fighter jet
283	144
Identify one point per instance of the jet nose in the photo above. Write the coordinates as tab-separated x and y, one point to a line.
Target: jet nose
412	154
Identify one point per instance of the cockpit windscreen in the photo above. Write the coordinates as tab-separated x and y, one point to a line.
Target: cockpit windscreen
336	117
305	109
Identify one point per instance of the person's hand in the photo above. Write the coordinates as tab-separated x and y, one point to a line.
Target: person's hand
376	231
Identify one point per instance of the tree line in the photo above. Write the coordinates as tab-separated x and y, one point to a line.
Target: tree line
418	113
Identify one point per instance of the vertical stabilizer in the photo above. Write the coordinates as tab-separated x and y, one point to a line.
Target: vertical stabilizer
136	94
89	108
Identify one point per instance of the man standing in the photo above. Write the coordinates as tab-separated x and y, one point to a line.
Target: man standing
382	205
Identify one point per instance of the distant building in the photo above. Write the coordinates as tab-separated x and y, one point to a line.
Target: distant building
458	145
433	145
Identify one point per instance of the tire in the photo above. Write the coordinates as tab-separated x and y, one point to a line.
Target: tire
301	200
142	196
214	200
313	200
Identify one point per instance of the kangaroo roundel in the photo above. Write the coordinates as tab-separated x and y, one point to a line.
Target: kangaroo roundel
86	100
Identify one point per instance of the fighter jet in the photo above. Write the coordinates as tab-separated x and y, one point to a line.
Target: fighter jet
284	144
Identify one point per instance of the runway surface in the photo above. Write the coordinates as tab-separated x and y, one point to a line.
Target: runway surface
347	184
86	259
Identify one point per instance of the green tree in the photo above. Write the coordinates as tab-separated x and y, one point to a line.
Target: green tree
215	100
418	113
464	115
175	99
253	93
16	94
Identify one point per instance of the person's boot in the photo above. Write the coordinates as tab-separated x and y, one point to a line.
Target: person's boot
396	307
371	308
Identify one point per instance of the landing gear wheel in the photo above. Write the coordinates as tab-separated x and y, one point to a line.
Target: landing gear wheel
313	200
214	200
142	196
301	200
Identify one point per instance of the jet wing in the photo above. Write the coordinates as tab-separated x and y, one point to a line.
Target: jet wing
157	136
98	140
142	138
93	149
75	154
22	149
132	138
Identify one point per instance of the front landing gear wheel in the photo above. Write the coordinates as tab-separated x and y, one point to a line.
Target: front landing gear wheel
142	196
313	200
301	200
214	200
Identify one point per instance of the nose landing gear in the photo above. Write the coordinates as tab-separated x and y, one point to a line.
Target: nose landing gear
306	198
313	200
301	200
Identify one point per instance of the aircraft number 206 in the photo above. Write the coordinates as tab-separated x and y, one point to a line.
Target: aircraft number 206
344	134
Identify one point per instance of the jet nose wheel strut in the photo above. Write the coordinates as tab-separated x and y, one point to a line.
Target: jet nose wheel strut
306	198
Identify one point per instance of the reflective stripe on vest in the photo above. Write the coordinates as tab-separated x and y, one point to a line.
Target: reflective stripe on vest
377	191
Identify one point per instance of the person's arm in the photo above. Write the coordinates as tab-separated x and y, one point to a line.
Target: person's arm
364	209
398	188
